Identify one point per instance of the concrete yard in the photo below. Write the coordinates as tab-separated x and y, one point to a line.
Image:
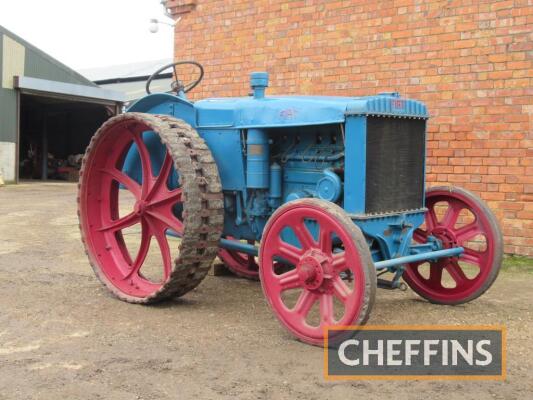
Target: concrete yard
62	336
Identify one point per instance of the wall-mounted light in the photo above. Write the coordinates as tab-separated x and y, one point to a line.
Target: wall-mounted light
154	24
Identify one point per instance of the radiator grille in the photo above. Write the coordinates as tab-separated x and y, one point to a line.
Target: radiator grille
394	164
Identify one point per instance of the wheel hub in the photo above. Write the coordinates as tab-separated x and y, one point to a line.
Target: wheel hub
314	270
140	207
446	236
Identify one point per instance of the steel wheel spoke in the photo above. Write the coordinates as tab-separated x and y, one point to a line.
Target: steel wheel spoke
326	309
415	268
146	163
158	231
325	240
289	252
431	218
456	272
174	196
471	256
339	262
304	303
304	236
162	178
170	221
165	253
435	274
451	215
143	250
289	280
341	290
467	232
121	223
124	180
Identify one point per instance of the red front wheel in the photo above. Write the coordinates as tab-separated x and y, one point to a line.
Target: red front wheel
316	269
457	218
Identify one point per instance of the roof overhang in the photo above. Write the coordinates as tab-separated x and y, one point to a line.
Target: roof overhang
67	91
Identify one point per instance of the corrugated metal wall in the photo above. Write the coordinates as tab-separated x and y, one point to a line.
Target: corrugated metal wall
8	105
39	65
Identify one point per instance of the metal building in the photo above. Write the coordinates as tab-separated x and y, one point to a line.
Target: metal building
131	78
47	110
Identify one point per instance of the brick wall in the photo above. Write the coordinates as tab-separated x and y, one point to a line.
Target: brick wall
470	61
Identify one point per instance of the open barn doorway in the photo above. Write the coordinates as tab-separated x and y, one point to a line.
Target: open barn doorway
54	134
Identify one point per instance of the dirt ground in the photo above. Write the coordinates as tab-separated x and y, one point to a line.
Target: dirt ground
63	336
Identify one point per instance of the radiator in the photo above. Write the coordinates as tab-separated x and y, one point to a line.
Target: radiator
395	157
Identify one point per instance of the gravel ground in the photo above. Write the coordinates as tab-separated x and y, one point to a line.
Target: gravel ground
63	336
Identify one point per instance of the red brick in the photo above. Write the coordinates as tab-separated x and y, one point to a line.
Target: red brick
493	179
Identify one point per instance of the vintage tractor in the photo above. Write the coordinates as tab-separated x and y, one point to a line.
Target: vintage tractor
331	189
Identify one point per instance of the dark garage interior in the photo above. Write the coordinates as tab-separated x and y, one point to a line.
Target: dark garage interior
61	128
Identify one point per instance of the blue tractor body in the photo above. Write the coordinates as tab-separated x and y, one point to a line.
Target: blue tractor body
367	154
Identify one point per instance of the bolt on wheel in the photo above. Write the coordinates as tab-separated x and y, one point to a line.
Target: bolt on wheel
457	218
317	244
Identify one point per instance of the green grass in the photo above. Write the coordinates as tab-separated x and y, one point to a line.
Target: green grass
517	264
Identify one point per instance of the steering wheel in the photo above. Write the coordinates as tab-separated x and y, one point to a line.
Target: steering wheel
177	86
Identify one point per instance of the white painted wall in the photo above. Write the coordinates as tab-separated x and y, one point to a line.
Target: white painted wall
7	161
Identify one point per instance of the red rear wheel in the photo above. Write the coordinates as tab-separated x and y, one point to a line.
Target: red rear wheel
457	218
327	279
241	264
153	209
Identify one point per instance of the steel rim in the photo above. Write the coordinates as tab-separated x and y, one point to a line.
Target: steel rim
101	224
316	271
445	229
